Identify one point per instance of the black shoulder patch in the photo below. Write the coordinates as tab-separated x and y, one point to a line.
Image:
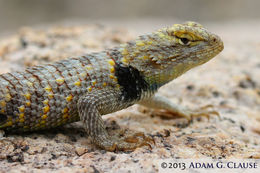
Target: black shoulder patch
3	118
131	81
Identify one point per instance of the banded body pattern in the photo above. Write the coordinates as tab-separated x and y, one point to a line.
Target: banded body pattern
87	87
46	96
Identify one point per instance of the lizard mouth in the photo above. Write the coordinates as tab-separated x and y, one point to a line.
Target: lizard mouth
215	46
205	53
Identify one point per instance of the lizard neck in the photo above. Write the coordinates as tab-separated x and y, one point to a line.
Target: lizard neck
154	75
158	78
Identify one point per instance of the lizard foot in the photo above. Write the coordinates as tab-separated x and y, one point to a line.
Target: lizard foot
205	111
128	143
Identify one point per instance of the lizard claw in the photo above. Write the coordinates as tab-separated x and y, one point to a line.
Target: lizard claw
187	114
201	112
204	111
128	143
131	142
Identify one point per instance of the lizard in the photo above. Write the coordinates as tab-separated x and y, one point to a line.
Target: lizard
84	88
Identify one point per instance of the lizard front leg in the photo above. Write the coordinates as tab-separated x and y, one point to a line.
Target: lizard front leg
97	103
160	102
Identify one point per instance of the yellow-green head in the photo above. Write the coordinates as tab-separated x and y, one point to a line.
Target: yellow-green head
167	53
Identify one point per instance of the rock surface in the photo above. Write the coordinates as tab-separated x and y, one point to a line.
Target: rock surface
230	82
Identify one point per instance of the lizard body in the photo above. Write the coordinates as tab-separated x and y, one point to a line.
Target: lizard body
85	88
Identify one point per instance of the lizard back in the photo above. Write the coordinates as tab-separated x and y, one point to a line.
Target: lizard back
46	96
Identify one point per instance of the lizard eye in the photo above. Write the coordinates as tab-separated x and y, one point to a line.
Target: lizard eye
184	41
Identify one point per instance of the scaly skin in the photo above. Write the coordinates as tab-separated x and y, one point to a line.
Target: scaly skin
87	87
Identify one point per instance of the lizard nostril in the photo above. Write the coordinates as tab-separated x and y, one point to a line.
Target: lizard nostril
214	39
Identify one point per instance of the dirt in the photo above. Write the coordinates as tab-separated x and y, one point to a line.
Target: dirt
230	82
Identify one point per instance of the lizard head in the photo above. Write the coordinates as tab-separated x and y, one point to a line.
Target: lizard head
169	52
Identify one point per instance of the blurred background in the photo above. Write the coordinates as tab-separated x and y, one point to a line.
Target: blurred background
35	32
131	13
